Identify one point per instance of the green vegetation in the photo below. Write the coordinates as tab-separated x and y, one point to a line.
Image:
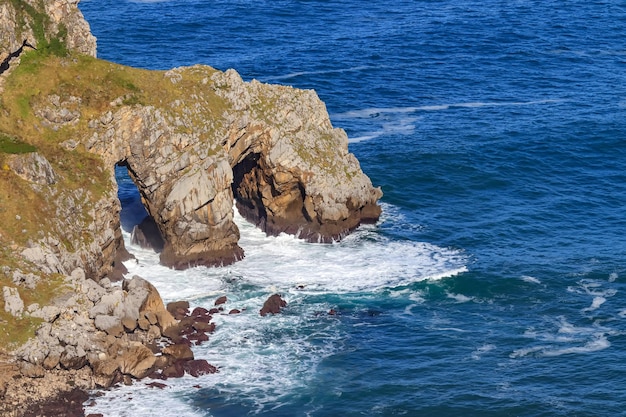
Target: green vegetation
12	145
15	331
41	24
45	81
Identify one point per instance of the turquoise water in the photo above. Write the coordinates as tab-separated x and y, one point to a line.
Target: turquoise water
494	284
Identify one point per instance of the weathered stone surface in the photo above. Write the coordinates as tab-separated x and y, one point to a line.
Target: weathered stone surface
33	167
178	309
178	352
138	361
199	367
147	235
110	324
273	305
13	304
221	300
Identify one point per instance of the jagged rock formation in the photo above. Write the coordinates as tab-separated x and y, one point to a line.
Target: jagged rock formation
196	141
62	20
273	149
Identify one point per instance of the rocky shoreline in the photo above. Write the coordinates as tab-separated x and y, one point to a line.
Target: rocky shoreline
196	141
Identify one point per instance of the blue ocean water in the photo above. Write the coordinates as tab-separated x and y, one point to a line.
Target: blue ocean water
494	284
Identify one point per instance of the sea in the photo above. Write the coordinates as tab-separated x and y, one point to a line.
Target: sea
494	283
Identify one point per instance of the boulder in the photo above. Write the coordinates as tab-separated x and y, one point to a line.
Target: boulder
33	167
13	304
137	361
147	235
199	367
221	300
273	305
110	324
178	309
178	352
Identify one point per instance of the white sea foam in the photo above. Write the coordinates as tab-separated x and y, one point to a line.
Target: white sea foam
595	304
567	339
375	112
481	350
530	280
266	359
324	72
460	298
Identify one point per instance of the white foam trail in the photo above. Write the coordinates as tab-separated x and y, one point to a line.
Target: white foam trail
598	344
613	276
459	298
530	280
595	304
480	351
568	339
322	72
375	112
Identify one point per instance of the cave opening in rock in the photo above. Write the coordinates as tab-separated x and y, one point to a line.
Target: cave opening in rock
134	217
246	190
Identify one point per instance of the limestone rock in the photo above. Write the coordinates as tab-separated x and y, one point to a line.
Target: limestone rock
13	304
146	235
110	324
138	361
178	352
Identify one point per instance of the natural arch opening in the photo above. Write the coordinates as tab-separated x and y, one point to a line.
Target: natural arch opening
134	216
272	200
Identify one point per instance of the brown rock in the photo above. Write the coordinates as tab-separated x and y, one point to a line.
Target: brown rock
273	305
202	326
175	370
234	311
178	309
199	367
158	385
198	337
151	317
221	300
137	361
129	324
178	352
143	323
200	312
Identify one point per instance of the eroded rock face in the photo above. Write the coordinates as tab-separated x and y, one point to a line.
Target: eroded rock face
273	150
64	20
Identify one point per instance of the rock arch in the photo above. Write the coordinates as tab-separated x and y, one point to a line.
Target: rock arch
273	150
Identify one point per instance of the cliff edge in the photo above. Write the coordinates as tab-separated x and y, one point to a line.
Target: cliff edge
196	141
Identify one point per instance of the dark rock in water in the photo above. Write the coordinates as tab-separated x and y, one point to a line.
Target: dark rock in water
175	370
203	327
273	305
199	367
158	385
234	311
200	312
68	404
221	300
178	309
147	235
198	337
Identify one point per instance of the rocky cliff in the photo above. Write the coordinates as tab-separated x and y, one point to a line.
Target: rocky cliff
196	142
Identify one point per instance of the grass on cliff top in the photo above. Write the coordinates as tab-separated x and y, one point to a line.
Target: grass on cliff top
15	331
27	212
